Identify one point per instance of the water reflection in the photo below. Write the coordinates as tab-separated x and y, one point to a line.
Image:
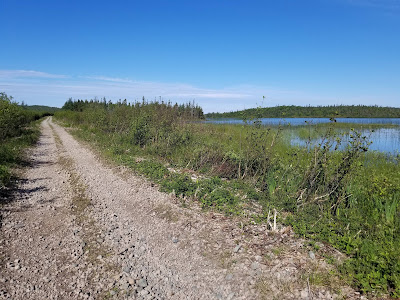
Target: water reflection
385	140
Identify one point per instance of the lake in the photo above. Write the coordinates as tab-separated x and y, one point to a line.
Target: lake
303	121
386	140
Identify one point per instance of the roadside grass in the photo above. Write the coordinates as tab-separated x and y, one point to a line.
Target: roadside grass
19	129
348	199
12	153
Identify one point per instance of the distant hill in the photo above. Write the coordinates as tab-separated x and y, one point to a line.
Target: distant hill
336	111
41	108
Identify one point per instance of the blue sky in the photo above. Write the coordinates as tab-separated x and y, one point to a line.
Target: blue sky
226	55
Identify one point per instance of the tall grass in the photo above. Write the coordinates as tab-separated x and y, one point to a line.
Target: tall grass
348	198
16	133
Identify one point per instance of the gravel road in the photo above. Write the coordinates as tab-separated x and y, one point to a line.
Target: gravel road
79	228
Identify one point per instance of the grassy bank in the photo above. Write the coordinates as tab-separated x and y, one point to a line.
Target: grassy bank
18	130
348	199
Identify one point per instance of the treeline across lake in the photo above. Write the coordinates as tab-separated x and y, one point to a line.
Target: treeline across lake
335	111
348	199
42	109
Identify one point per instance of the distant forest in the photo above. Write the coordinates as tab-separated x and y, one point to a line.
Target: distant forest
339	111
188	110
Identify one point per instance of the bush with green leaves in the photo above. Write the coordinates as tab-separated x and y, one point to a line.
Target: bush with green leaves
16	133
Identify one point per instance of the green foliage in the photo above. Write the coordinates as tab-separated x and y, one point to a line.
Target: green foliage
362	221
16	134
141	130
186	111
153	170
12	118
219	197
335	111
180	185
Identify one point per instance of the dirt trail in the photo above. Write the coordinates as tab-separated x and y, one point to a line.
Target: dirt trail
79	229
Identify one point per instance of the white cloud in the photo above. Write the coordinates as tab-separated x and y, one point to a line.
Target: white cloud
27	74
35	87
166	90
112	79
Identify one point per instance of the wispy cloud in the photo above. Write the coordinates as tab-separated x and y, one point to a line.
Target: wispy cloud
34	87
28	74
171	90
112	79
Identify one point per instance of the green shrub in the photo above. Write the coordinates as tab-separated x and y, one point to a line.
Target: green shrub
15	135
153	170
180	184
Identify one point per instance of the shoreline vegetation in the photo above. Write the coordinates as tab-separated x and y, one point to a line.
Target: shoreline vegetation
18	130
292	111
347	199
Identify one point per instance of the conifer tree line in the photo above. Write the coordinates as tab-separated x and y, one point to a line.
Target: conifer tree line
188	110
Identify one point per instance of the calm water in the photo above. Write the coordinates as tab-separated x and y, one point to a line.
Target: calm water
385	140
302	121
